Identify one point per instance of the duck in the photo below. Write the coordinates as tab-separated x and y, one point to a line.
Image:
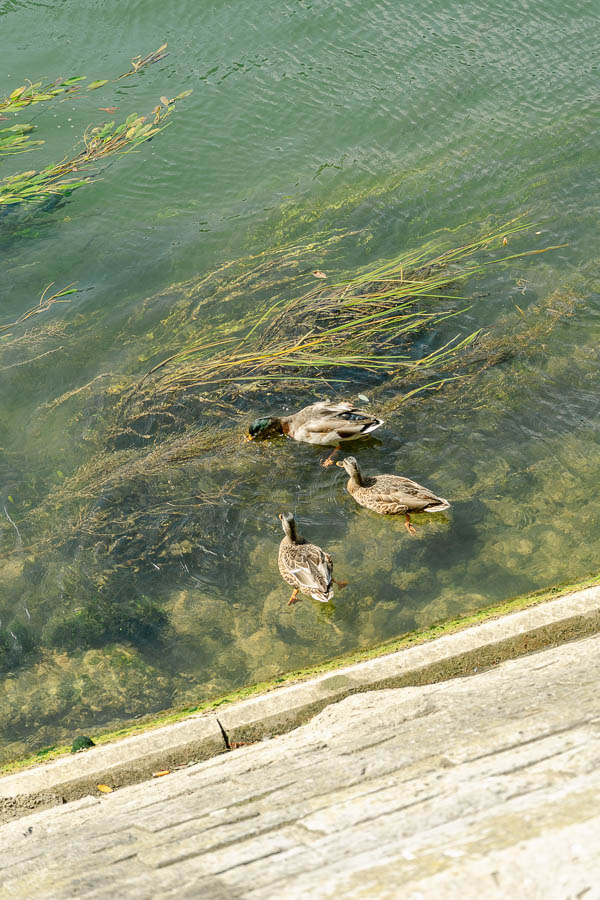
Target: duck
390	494
320	423
304	565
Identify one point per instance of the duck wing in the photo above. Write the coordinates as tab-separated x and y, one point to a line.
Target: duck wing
393	489
327	422
313	570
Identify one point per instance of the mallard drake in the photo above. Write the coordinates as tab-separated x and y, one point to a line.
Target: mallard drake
305	566
320	423
390	494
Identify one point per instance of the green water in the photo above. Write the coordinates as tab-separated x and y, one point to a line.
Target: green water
387	120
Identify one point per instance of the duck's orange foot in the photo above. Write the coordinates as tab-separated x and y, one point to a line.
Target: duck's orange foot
329	460
294	598
409	526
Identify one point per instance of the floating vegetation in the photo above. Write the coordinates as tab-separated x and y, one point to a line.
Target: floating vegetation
99	143
31	93
38	92
58	179
16	139
45	302
140	62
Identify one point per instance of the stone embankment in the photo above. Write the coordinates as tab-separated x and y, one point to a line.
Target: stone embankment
481	786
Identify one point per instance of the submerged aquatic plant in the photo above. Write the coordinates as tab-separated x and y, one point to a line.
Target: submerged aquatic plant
142	438
360	324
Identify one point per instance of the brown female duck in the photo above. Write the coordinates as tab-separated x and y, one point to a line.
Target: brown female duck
390	494
305	566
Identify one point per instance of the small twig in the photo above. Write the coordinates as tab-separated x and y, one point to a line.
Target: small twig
44	303
138	62
19	538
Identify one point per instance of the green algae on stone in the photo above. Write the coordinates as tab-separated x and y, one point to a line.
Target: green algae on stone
82	742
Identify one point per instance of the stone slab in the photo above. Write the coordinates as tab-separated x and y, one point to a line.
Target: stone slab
134	759
483	787
124	762
462	653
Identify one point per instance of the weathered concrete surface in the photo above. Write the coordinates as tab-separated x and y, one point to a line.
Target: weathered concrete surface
133	759
572	616
125	762
480	787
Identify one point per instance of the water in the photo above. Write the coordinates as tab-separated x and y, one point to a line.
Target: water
382	119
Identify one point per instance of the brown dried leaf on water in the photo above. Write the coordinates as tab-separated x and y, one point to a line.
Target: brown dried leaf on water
104	788
160	774
505	242
109	109
319	274
165	100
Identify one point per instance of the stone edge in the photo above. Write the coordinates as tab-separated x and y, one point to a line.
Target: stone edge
134	759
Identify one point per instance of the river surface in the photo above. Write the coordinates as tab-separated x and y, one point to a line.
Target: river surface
392	122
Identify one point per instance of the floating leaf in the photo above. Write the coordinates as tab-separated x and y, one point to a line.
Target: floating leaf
16	93
165	101
97	84
10	499
318	274
182	95
160	774
104	788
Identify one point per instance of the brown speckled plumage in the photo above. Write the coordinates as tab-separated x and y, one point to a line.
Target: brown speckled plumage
304	566
390	494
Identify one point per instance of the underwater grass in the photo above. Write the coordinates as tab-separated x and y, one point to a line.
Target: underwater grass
360	324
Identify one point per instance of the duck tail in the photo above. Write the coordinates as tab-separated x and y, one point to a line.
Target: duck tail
323	596
371	426
439	505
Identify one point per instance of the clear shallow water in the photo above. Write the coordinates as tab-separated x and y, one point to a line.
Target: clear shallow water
377	118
